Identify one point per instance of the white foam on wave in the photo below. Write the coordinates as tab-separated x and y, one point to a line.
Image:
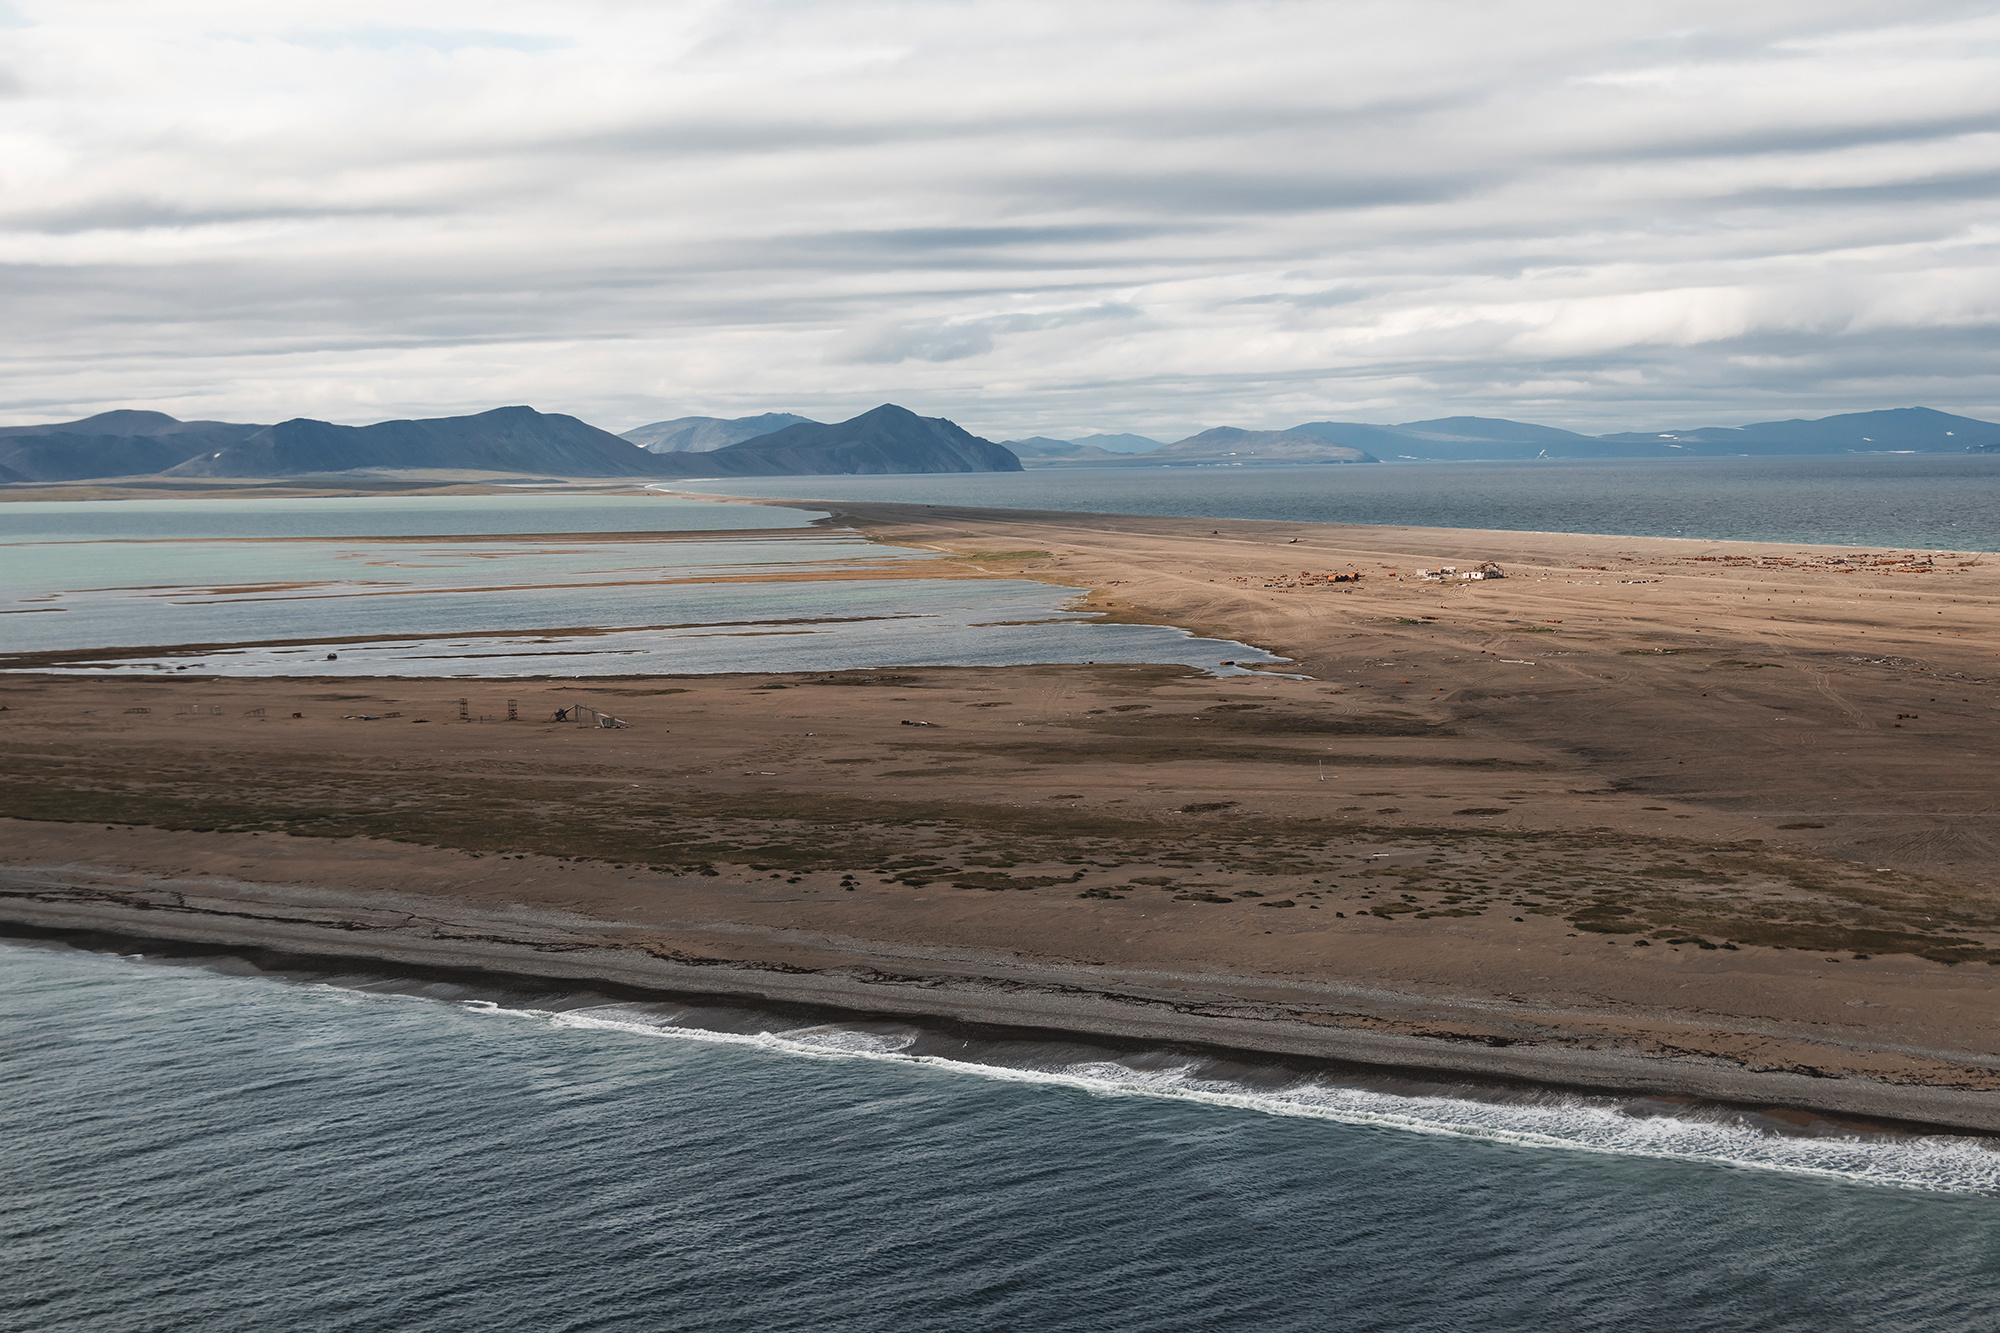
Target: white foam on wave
1574	1123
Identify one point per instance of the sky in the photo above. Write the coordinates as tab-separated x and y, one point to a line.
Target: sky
1032	218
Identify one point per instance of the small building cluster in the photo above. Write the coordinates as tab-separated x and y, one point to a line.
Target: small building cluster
1306	579
1453	574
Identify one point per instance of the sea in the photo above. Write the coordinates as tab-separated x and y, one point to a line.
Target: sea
216	1142
223	1140
1948	502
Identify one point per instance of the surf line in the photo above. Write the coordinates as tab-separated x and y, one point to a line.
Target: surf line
1573	1123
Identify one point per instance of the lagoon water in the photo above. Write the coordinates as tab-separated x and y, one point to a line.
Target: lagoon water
199	1144
462	586
1928	501
247	518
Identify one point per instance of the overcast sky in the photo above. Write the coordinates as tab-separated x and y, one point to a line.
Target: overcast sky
1049	218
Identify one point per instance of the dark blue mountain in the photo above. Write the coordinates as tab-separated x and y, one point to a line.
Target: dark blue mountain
506	439
123	443
1896	430
887	439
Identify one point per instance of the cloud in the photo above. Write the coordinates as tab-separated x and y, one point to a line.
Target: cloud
957	339
387	38
1764	142
125	214
1143	215
914	342
1237	193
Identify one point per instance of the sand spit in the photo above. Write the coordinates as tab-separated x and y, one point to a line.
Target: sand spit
1705	819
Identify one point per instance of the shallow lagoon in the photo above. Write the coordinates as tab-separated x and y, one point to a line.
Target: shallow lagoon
413	586
381	516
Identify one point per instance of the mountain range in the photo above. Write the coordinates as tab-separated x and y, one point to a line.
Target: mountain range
506	439
516	440
887	439
522	441
1903	429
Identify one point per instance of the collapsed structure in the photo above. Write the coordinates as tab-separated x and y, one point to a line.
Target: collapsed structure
1453	574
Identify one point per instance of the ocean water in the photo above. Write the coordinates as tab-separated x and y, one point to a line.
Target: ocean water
1922	502
249	517
420	586
200	1143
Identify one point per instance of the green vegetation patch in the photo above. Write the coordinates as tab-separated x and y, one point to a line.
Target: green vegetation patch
1732	895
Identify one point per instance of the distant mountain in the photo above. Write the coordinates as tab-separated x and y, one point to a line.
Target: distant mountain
1119	444
506	439
1222	445
1497	429
130	423
1900	429
1042	447
695	435
1388	441
1231	444
890	439
1465	438
887	439
123	443
1905	428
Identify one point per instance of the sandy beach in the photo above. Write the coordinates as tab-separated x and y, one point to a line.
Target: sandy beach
1701	819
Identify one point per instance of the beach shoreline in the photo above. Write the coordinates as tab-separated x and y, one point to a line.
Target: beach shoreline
1004	998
